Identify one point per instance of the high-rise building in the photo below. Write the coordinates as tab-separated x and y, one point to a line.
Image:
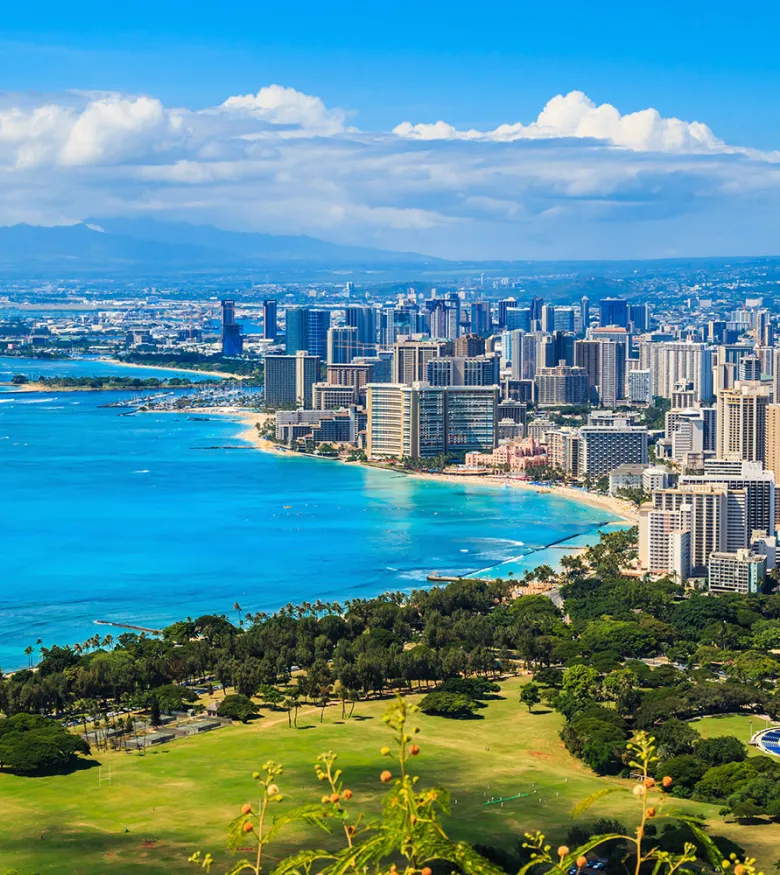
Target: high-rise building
519	319
561	385
270	325
750	369
319	323
410	358
640	387
564	450
421	421
536	309
289	379
614	311
232	341
470	345
363	318
639	317
708	509
612	372
749	478
742	422
740	572
461	371
503	306
548	318
586	356
604	448
471	413
327	396
342	345
480	317
585	312
563	319
296	330
772	452
665	540
671	362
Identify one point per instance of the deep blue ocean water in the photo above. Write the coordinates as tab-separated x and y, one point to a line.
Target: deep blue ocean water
149	518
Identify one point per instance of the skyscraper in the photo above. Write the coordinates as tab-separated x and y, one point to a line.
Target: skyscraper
639	317
342	344
503	306
319	323
421	420
614	311
363	318
480	317
270	326
548	318
289	379
772	453
585	312
296	330
232	341
612	372
411	357
742	421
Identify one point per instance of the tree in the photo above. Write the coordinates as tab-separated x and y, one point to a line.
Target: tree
237	707
685	771
530	695
675	737
31	744
154	712
721	750
456	705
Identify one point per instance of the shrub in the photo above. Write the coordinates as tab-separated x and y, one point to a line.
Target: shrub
237	707
444	704
31	744
475	688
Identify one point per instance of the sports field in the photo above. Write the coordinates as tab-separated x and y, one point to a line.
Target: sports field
165	804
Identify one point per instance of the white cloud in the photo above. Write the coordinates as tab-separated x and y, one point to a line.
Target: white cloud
580	180
576	115
286	106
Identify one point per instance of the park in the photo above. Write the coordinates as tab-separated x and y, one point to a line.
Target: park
153	809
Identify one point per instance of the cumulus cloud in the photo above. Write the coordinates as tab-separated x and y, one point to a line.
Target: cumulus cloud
580	180
286	106
576	115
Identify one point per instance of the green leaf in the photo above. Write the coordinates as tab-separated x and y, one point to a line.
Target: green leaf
710	848
584	804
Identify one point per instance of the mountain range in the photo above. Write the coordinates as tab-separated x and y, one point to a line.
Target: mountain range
145	246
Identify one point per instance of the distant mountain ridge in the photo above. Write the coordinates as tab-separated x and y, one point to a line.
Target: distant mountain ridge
122	245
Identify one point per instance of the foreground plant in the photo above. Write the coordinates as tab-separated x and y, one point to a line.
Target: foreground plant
408	837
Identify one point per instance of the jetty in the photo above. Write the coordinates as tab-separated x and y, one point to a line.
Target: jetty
129	626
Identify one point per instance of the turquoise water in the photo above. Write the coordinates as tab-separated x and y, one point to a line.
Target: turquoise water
148	518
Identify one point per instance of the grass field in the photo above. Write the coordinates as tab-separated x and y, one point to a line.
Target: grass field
738	725
181	796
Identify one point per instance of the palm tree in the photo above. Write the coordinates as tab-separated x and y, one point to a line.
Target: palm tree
237	609
28	652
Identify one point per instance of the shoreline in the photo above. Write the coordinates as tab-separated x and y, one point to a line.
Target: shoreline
224	375
614	506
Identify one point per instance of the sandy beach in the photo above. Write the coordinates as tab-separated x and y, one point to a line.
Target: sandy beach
222	374
614	506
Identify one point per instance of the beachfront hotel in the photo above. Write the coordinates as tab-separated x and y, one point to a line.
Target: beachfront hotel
423	421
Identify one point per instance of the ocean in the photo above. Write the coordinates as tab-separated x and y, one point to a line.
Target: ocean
153	517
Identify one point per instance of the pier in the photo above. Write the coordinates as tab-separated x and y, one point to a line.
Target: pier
129	626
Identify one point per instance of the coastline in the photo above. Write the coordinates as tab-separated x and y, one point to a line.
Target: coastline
224	375
614	506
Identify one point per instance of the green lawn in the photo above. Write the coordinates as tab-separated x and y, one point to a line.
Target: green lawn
738	725
182	795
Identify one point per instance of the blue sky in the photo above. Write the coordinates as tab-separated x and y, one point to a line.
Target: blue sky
471	66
